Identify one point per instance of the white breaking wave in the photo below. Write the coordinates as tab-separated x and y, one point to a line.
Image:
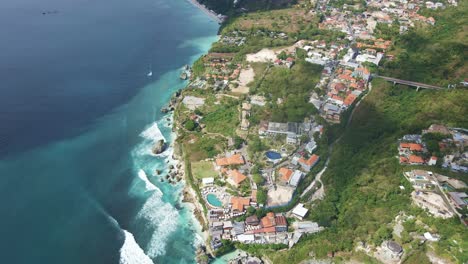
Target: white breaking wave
153	133
148	185
160	218
131	252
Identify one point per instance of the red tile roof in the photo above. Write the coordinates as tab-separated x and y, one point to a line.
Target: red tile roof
281	220
416	159
238	203
415	147
350	99
236	159
311	161
285	173
236	176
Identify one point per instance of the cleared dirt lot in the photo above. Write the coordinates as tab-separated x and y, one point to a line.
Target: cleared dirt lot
280	196
245	77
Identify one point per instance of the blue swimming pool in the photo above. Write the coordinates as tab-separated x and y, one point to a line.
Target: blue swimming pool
272	155
213	200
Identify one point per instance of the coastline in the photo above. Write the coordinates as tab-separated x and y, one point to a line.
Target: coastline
207	11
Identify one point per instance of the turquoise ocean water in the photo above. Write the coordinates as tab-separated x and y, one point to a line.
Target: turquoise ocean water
78	118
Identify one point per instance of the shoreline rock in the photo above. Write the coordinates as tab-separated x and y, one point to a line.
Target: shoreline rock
159	147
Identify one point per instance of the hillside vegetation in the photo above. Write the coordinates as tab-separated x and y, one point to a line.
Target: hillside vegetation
433	54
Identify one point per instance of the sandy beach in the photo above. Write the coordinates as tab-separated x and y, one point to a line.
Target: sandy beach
210	13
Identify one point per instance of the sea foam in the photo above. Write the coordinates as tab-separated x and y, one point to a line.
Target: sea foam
149	186
131	252
160	219
153	133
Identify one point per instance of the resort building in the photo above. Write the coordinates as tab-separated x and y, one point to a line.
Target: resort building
236	159
238	204
235	178
307	164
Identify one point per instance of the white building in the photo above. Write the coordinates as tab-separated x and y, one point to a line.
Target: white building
300	211
311	146
207	181
295	178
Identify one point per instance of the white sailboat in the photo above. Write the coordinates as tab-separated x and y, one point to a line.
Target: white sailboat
150	73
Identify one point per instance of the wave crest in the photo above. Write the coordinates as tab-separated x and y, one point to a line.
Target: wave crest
159	219
153	133
131	252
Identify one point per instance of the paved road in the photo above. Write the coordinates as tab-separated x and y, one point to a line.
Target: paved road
317	179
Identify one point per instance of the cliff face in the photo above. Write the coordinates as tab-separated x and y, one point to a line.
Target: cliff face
226	6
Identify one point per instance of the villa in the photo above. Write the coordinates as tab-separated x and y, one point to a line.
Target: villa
460	199
236	159
238	204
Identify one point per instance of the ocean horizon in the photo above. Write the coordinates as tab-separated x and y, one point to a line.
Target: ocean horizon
80	114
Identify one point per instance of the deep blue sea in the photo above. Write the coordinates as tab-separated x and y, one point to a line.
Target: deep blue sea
78	117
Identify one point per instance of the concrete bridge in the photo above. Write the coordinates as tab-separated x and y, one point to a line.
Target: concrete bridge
409	83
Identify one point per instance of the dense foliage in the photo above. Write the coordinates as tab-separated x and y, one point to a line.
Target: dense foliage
433	54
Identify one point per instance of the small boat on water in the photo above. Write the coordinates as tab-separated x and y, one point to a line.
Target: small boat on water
150	73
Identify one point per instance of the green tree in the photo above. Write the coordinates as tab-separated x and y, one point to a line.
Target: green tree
190	125
262	196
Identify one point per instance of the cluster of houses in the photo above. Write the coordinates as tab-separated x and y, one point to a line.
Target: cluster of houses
320	52
343	86
413	151
234	38
219	67
267	229
362	25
